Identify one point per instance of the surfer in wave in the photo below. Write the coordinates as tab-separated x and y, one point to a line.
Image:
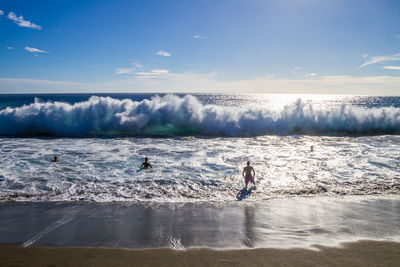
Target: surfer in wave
247	174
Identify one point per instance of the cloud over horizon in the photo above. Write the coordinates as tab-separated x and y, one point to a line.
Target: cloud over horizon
23	23
374	60
136	65
162	81
124	70
152	74
391	67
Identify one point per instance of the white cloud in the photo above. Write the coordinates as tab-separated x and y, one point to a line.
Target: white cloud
198	36
124	70
312	74
34	50
163	53
23	23
10	47
374	60
137	65
46	86
1	12
295	69
159	71
152	74
189	82
391	67
128	70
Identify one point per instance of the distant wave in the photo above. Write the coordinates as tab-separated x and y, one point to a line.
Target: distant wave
174	115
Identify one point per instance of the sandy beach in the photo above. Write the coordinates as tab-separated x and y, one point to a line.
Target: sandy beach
363	253
280	232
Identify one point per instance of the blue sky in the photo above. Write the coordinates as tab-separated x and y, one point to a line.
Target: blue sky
227	46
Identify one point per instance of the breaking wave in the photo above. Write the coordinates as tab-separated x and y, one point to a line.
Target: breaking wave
174	115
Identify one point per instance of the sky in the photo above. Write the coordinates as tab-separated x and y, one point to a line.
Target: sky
203	46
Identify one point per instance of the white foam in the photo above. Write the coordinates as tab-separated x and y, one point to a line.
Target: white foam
190	169
174	115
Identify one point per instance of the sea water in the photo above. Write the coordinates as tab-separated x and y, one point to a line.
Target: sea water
198	146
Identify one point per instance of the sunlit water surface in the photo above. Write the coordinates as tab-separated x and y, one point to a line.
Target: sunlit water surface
198	146
197	169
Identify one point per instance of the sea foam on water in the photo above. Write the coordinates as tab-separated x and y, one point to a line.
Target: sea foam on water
198	147
183	116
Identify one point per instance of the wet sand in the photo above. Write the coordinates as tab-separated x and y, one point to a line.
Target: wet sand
277	232
362	253
276	223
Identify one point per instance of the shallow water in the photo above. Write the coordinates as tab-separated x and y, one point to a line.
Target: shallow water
197	169
278	223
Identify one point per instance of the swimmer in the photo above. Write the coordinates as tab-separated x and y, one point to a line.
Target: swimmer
55	159
248	177
146	164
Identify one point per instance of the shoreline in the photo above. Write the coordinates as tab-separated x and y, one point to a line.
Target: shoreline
163	202
277	223
319	231
361	253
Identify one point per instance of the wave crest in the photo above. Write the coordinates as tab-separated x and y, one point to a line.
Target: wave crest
174	115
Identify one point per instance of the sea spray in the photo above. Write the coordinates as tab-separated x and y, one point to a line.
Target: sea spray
186	115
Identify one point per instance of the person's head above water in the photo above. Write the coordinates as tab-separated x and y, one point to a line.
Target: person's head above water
248	163
146	164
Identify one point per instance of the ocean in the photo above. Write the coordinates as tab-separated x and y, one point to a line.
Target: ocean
198	145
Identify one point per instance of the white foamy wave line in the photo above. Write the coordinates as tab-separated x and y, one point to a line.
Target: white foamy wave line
47	230
175	243
174	115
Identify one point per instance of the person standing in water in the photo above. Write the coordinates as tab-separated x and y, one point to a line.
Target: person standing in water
146	164
248	177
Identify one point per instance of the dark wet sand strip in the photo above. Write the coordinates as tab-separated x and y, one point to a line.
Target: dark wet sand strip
292	222
363	253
